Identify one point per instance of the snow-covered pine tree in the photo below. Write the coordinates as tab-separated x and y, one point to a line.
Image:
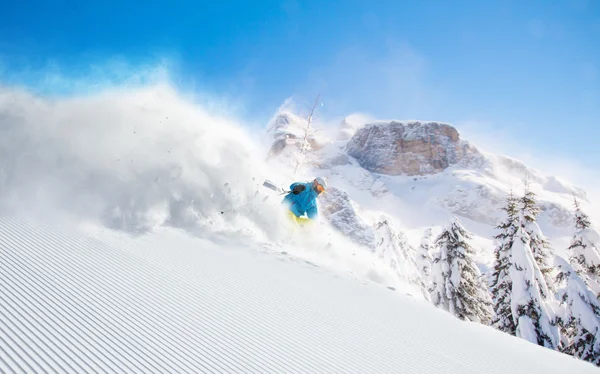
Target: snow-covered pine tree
539	244
501	283
394	250
580	323
457	281
530	312
424	258
584	251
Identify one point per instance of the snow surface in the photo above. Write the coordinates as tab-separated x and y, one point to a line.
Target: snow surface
82	298
164	241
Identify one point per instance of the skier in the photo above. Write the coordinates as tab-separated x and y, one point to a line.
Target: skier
302	199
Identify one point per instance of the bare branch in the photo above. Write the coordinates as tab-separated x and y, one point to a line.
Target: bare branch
308	123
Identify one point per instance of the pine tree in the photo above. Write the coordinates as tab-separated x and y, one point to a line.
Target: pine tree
580	323
539	244
519	288
393	249
424	258
530	311
584	253
457	285
501	283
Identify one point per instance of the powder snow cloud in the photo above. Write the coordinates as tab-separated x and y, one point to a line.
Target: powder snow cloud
130	158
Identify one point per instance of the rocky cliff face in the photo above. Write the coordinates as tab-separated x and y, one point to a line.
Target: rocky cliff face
410	148
342	212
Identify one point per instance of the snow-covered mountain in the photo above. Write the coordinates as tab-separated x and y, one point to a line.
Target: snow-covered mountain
161	229
422	174
393	182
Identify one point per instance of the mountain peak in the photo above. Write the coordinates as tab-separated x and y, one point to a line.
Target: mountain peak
409	147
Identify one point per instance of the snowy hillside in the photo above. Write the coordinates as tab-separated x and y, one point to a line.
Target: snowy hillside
164	240
394	184
80	298
422	174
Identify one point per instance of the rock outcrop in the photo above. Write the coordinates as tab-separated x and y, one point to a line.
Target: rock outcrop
342	213
410	148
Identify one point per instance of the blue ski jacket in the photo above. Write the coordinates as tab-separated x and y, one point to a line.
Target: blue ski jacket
302	199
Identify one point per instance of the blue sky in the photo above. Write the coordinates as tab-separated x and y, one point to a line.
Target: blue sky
503	68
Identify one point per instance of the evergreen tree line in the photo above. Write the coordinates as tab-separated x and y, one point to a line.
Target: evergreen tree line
530	292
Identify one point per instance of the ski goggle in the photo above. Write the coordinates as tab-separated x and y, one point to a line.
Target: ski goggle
317	187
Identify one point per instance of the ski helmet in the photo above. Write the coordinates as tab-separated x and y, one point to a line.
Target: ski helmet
321	181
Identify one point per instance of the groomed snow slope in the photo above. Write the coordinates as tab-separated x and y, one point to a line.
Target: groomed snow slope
86	299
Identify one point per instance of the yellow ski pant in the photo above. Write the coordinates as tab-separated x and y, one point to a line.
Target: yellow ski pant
300	221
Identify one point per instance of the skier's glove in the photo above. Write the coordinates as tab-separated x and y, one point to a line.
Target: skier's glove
298	188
